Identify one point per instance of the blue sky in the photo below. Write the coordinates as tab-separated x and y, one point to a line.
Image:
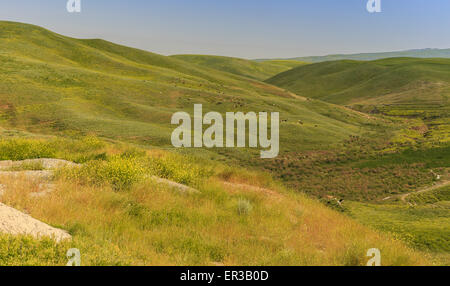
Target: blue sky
246	28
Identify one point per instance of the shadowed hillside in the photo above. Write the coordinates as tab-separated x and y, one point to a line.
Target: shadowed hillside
247	68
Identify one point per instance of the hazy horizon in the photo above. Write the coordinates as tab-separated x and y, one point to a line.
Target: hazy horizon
247	29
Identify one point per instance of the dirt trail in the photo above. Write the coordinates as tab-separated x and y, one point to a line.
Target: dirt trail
437	186
254	189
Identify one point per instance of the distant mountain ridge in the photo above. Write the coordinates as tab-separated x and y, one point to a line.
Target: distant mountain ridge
416	53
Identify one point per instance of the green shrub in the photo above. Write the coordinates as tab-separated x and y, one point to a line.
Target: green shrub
76	150
21	149
178	169
121	173
27	251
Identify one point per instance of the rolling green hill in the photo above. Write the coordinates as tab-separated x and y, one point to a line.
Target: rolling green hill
55	84
387	81
247	68
287	63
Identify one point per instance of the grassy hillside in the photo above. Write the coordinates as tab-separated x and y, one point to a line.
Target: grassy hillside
372	178
247	68
52	85
58	85
388	81
400	87
287	63
119	215
420	53
55	84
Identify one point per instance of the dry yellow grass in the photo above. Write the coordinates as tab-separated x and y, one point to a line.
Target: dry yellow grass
151	225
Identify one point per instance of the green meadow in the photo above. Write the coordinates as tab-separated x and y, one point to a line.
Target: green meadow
53	84
352	133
